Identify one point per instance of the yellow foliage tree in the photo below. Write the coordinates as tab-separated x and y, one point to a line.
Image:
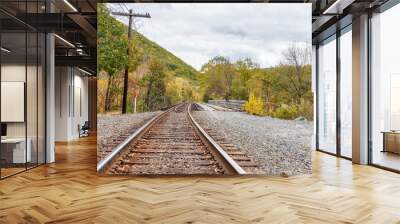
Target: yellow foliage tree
254	105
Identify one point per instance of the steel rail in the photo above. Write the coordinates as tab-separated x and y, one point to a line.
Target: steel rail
216	149
229	164
136	135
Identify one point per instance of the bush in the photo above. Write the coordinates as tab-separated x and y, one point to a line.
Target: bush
306	109
254	105
286	112
206	98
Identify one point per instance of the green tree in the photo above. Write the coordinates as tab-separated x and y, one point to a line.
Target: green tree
111	49
297	73
245	71
154	81
217	77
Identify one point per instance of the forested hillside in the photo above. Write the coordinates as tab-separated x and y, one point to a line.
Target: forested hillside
157	78
173	63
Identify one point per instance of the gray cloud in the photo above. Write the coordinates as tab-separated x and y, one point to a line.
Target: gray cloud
230	30
198	32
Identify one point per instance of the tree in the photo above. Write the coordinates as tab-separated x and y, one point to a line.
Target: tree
245	69
217	77
154	81
111	49
136	58
297	60
286	87
143	86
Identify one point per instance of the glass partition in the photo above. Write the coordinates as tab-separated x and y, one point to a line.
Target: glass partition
22	90
385	89
327	95
13	94
346	92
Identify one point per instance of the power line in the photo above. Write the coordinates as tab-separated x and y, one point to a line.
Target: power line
130	15
123	7
123	4
120	6
114	7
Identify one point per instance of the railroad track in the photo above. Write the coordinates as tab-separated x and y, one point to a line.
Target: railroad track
173	143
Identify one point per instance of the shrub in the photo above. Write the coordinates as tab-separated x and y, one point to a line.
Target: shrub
254	105
286	112
306	109
206	98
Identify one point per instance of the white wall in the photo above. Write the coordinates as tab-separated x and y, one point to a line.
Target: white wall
70	83
33	126
62	82
13	100
79	117
16	73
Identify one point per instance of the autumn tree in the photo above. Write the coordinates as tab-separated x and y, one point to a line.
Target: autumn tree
283	89
245	70
217	77
111	49
154	82
297	70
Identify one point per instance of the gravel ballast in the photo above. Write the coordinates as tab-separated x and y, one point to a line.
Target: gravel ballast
280	147
111	127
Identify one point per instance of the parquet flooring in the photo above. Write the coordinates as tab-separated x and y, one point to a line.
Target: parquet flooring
70	191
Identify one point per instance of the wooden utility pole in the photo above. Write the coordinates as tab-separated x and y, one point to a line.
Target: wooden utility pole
130	15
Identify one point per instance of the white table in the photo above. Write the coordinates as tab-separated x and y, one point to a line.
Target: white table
19	153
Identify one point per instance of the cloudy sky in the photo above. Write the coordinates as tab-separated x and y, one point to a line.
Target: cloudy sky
197	32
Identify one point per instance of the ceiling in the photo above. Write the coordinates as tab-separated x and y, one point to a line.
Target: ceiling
330	15
74	22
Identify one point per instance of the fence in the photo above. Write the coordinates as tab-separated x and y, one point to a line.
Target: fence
236	105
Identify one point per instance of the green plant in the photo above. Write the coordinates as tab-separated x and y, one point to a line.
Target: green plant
206	98
306	109
286	112
254	105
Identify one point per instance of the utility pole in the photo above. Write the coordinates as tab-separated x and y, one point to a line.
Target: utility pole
130	15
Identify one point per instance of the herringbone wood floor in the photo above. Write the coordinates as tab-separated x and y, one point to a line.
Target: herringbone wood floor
70	191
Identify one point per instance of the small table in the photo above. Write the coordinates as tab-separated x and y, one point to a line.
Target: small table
391	141
13	150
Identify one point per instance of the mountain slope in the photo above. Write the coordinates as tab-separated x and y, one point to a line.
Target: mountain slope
153	50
